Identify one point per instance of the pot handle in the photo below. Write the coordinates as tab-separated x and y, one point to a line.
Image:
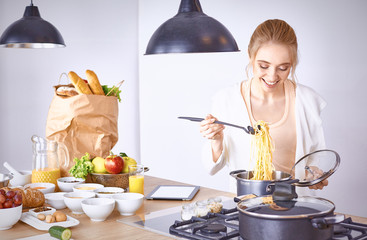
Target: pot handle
270	187
235	172
244	197
323	222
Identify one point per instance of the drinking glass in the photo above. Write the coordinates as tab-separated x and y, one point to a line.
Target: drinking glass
136	178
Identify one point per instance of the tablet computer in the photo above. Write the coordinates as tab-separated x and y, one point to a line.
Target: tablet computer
173	192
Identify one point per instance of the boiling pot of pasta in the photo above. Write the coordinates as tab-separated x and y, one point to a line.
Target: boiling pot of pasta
307	171
283	215
247	185
302	218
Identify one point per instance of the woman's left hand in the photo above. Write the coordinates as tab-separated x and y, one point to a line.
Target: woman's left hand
314	173
320	185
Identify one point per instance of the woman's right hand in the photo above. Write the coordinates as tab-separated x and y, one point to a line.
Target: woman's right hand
214	132
211	130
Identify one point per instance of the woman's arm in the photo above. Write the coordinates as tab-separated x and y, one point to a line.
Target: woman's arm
214	132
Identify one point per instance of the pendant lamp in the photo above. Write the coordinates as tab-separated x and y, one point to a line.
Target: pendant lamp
191	31
31	31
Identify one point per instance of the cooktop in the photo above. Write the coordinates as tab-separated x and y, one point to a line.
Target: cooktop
222	226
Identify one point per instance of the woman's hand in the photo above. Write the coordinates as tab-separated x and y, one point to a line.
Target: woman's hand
211	130
214	132
313	173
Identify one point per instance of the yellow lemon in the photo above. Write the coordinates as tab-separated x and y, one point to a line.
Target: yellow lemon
127	162
98	163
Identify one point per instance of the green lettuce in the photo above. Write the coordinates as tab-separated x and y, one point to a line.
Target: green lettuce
82	167
115	91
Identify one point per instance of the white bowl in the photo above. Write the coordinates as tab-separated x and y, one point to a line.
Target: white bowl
108	192
128	203
21	180
98	209
5	179
43	187
87	187
56	200
9	217
66	184
73	200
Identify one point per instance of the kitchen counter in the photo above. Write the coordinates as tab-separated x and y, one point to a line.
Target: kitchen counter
113	229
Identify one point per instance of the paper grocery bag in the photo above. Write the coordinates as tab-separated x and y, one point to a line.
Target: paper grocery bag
84	123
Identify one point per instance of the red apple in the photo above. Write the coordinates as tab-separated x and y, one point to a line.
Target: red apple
114	164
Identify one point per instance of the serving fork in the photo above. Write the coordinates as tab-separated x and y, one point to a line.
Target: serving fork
249	129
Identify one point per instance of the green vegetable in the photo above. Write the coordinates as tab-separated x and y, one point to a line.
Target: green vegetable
60	232
112	91
123	154
82	167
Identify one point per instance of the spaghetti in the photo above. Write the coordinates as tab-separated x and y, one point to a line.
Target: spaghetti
262	151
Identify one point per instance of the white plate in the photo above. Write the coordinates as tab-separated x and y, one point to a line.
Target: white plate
51	211
42	225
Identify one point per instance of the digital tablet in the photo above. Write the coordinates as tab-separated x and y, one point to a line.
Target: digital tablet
173	192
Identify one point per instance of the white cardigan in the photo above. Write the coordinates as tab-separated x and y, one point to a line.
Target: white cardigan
229	106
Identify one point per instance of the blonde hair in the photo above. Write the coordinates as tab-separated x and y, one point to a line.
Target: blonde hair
276	31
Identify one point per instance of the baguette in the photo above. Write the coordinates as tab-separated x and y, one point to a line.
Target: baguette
81	86
93	82
31	198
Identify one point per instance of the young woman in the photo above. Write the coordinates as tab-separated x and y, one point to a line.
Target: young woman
291	110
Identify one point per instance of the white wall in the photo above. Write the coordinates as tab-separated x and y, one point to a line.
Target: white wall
99	35
332	45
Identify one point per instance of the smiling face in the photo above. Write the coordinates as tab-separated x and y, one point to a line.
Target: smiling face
271	66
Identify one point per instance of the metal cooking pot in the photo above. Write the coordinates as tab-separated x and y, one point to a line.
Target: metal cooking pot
303	218
258	187
325	160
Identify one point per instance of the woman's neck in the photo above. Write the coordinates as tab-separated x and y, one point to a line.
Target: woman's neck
258	92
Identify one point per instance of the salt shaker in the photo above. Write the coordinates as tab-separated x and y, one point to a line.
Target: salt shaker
202	208
187	211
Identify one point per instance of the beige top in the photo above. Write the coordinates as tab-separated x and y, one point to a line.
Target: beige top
283	132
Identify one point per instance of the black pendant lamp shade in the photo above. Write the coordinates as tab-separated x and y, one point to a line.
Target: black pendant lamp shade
191	31
31	31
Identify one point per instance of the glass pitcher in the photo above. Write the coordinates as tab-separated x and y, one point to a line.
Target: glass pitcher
46	165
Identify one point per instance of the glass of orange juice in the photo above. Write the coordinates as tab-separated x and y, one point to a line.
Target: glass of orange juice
136	178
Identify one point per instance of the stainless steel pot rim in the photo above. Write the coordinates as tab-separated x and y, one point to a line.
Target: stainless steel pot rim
235	175
285	217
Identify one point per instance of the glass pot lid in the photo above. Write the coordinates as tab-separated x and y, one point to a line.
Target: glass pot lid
301	207
315	167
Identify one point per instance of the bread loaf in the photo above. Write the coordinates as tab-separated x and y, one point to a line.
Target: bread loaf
66	90
94	83
31	197
81	86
